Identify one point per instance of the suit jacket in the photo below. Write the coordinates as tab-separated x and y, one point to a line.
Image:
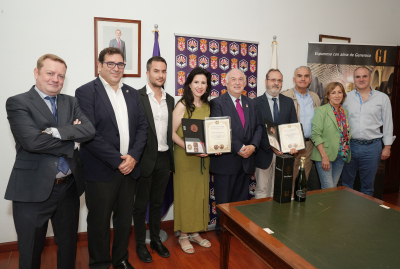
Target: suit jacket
101	156
230	163
325	130
114	44
287	114
291	93
38	154
149	156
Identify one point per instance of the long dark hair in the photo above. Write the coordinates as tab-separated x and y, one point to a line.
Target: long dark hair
188	97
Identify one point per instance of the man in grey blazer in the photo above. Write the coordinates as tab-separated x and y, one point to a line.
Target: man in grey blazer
47	178
117	42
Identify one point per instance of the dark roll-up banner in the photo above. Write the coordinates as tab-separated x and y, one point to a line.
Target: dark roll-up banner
337	62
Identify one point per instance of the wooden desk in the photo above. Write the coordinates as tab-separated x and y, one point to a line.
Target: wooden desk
334	228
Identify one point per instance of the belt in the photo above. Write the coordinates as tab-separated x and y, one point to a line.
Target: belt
365	142
63	180
307	139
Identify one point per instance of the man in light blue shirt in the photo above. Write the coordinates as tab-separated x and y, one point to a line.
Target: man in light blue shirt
369	110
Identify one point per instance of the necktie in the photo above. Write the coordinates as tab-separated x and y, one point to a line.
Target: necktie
239	109
119	44
276	111
62	164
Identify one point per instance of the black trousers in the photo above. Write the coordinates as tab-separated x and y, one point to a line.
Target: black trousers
31	222
151	190
230	188
102	199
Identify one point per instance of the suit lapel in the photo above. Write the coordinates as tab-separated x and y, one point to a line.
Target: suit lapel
147	109
129	100
41	106
107	103
62	108
245	105
266	108
332	116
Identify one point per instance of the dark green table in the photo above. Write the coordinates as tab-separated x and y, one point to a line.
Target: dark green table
334	228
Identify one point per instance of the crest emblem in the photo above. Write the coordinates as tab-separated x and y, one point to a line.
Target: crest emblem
181	61
192	60
214	62
244	92
243	65
252	94
234	63
224	47
223	92
212	197
203	45
204	62
181	78
181	43
214	93
234	49
180	92
214	47
252	82
253	66
243	49
213	221
253	50
252	188
223	63
223	79
214	208
192	45
214	79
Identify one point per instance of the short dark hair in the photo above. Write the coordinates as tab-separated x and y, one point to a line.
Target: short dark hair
155	59
273	70
330	87
109	51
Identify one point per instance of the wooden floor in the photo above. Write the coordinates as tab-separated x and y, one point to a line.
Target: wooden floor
240	256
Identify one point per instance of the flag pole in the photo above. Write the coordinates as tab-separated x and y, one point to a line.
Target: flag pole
274	59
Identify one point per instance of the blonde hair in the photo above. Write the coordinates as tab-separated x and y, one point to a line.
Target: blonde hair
53	57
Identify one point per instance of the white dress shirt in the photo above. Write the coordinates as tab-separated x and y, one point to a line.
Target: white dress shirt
118	103
160	115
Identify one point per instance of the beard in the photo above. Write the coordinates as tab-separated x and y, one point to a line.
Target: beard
274	90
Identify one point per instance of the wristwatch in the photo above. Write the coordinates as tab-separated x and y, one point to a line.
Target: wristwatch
48	131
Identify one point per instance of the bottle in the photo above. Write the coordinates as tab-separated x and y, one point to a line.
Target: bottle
300	186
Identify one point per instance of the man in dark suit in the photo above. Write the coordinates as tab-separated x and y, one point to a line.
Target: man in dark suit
157	160
47	178
111	159
279	109
232	171
117	42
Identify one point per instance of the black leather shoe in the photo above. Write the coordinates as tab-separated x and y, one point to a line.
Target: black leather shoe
143	253
161	250
124	265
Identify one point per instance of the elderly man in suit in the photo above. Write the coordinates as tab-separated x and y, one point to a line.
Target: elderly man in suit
111	159
157	160
117	42
279	109
47	178
232	171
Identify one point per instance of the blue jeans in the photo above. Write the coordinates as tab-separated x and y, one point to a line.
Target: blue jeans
329	179
365	159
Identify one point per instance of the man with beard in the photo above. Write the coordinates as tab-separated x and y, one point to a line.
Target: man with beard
279	109
157	160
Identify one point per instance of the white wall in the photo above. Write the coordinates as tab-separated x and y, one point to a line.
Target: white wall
29	29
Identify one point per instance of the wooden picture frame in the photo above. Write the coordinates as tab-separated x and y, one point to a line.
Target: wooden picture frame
105	33
334	39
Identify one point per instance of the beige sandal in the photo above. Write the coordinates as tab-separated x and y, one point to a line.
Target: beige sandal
186	248
203	242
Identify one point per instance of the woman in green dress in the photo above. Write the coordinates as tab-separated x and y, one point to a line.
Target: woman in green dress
191	179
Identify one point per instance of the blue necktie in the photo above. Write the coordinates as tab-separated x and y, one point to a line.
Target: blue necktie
62	164
276	111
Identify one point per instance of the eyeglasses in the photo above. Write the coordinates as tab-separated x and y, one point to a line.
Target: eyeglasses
275	80
112	65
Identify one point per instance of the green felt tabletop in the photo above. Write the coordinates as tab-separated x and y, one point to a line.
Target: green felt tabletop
336	229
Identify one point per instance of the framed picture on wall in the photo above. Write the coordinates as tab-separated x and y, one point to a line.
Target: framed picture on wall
334	39
122	34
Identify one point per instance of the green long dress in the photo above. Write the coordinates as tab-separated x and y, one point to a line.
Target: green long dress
191	187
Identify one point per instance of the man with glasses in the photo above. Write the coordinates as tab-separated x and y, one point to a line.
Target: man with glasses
305	102
279	109
110	160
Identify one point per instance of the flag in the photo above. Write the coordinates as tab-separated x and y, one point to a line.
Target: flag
274	59
156	48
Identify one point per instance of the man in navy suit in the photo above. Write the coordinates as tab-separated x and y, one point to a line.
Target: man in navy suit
279	109
110	160
232	171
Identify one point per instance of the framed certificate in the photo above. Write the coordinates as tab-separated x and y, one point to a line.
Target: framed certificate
284	137
210	136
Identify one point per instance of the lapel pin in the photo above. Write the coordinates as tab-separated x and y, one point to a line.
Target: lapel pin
127	90
247	105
